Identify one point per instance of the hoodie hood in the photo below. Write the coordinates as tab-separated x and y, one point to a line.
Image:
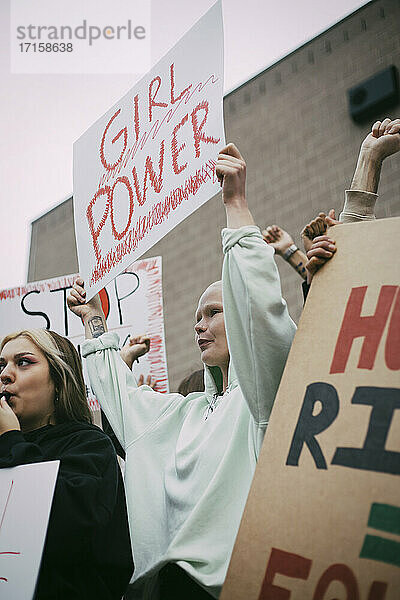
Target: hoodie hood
213	380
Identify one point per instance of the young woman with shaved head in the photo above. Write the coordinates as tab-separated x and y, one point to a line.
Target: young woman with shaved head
190	460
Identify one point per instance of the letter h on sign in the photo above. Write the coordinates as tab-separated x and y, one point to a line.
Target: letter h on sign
371	329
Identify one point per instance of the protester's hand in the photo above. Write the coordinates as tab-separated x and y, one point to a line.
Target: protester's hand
8	420
383	140
77	301
330	218
231	173
136	346
150	381
317	227
276	237
314	228
322	249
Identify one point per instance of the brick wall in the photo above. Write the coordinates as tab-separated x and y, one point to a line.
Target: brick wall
53	246
293	127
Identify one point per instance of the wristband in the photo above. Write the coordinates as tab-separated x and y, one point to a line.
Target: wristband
291	250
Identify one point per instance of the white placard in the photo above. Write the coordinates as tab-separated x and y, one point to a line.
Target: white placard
132	304
149	162
26	494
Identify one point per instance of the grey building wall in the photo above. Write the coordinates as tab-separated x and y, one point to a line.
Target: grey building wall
53	247
292	125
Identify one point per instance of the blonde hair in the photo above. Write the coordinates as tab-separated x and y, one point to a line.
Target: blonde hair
65	371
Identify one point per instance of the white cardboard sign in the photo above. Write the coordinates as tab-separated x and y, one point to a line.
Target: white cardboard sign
132	304
149	161
26	494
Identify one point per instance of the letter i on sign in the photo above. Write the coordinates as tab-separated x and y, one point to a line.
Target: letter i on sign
5	500
6	493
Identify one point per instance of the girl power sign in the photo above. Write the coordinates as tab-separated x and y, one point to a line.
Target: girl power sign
149	162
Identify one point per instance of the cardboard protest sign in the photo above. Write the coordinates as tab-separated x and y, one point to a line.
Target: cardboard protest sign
26	494
323	515
132	304
149	162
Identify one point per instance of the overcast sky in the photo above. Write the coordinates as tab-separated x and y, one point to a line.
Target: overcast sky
42	115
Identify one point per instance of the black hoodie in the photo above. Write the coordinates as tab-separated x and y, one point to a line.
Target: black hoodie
87	553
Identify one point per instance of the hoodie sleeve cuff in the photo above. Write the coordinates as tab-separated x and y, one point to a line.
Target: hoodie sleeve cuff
9	439
107	341
230	237
358	206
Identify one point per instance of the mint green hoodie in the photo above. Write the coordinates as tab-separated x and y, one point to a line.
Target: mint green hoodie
187	476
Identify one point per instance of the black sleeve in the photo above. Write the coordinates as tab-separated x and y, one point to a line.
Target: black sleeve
306	287
110	432
15	450
86	489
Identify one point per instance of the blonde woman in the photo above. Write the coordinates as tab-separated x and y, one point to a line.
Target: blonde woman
44	416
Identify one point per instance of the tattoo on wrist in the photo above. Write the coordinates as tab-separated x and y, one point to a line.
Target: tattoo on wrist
301	269
96	326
